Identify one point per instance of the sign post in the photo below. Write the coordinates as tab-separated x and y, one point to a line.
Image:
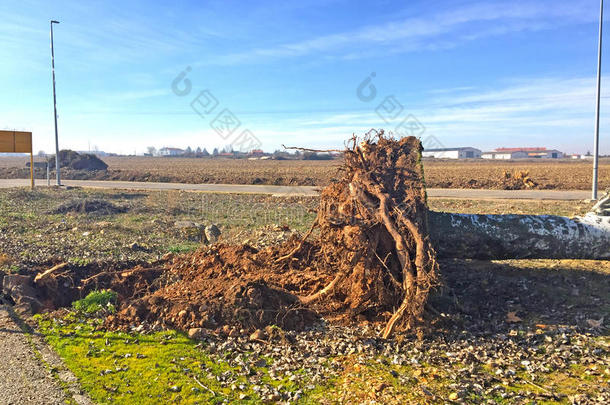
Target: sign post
18	142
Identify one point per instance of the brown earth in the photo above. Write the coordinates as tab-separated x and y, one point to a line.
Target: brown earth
557	174
92	206
236	286
78	161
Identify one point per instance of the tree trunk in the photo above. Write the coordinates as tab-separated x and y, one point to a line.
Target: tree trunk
476	236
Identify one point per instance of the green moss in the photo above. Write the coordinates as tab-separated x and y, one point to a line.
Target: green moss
97	301
79	261
165	367
162	367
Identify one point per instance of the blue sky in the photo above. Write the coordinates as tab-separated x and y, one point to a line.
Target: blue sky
472	73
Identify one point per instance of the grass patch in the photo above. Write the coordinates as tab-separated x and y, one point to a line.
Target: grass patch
97	301
166	367
162	367
183	247
504	206
33	234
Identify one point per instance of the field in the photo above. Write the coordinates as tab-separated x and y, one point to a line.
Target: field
511	331
561	175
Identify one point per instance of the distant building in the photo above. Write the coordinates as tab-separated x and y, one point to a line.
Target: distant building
550	154
171	152
579	156
452	153
523	153
504	155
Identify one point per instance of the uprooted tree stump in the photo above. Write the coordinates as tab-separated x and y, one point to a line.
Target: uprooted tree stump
371	256
373	231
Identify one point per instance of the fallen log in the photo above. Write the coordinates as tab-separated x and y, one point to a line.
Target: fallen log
475	236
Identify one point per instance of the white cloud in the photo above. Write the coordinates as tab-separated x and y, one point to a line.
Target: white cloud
552	112
442	30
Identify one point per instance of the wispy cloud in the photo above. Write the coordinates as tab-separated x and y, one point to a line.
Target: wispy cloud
554	112
551	111
443	29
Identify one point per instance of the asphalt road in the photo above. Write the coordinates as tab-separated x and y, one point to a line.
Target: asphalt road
476	194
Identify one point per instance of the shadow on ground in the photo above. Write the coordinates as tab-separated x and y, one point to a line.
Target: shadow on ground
490	297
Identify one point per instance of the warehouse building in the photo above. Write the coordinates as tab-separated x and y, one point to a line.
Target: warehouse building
452	153
504	155
171	152
523	153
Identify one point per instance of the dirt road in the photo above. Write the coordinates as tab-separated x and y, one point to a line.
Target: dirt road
305	190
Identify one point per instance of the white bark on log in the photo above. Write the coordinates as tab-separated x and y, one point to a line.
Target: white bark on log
520	236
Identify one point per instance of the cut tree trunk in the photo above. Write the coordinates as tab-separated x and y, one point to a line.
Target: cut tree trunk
476	236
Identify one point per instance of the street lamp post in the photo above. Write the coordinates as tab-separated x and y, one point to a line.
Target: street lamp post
55	106
599	77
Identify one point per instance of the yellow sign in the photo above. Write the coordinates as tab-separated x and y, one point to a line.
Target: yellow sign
15	142
18	142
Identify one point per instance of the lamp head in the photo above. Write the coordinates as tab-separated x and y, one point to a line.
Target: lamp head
53	21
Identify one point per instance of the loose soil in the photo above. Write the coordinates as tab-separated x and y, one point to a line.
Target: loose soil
88	206
224	285
79	161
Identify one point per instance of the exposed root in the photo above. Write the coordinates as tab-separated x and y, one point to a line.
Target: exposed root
396	317
379	210
299	246
324	291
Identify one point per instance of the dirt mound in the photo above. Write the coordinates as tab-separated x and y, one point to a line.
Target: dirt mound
222	285
370	255
88	206
517	180
64	283
78	161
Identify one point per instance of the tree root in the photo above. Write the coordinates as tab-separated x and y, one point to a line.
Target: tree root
324	291
378	210
299	246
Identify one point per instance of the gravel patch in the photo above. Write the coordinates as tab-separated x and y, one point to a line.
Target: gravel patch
476	364
24	379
